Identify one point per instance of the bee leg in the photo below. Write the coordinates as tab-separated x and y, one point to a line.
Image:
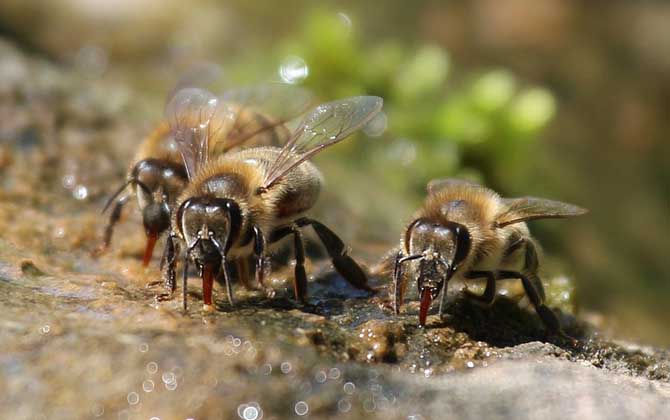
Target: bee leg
343	263
399	280
489	294
114	218
443	301
548	317
242	271
227	279
168	265
531	267
259	251
184	285
398	284
300	278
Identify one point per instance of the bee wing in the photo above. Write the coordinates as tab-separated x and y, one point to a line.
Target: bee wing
272	105
190	114
201	75
436	185
326	125
530	208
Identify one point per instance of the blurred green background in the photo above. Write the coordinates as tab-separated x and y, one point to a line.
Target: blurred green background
567	100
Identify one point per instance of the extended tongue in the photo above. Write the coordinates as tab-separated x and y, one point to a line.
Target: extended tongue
149	250
426	299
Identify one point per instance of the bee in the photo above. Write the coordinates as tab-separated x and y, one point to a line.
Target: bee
158	173
242	203
467	231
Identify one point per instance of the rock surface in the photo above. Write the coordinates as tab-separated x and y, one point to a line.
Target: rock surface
83	337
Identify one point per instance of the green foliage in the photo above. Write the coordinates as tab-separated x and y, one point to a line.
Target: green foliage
438	126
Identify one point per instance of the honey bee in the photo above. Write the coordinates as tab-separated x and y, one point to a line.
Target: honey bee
158	175
467	231
241	203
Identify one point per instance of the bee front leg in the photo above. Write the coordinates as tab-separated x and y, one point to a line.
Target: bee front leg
259	251
343	263
398	283
300	277
168	267
227	279
114	218
399	280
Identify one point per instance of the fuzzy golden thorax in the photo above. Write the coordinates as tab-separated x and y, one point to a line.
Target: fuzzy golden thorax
239	176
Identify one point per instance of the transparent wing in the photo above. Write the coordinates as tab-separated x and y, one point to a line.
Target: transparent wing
446	183
201	75
530	208
326	125
190	113
262	108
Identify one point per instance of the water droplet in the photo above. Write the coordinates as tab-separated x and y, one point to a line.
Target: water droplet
470	364
237	342
334	373
98	410
80	192
301	408
343	405
346	20
168	377
155	418
349	388
69	181
250	413
133	398
377	125
320	376
58	232
148	385
45	329
293	70
267	369
171	386
144	347
285	367
152	367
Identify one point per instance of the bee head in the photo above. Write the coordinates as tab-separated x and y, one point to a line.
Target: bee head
442	248
157	181
209	225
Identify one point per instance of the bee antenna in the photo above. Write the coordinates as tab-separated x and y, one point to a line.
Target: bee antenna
116	194
142	185
180	212
463	243
234	219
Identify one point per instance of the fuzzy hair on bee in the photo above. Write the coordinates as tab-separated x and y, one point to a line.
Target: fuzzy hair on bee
242	203
466	231
251	116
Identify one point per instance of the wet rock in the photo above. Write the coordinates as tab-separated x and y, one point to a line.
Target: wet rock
379	341
84	337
